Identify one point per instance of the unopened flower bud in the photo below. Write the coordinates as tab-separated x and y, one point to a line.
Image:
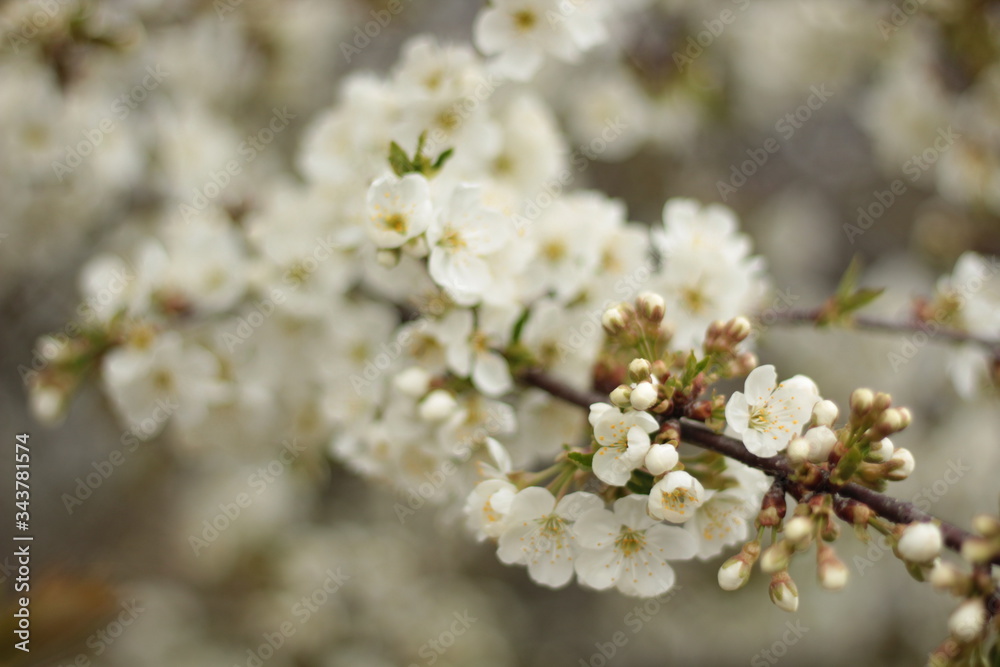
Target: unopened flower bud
825	413
639	369
614	320
621	395
651	307
738	329
967	622
798	450
891	421
643	396
438	405
881	402
830	570
734	573
986	525
47	404
881	450
821	441
783	591
920	543
903	463
906	416
775	558
861	401
799	530
979	550
413	382
946	577
661	459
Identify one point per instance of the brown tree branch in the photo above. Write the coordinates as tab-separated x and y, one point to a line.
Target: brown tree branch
877	324
699	435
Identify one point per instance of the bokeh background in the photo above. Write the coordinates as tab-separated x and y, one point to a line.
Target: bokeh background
121	562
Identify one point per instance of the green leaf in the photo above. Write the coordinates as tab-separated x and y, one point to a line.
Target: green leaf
398	160
584	461
441	159
692	367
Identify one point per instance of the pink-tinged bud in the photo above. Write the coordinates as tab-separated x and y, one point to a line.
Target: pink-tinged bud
651	307
946	577
921	542
783	591
881	402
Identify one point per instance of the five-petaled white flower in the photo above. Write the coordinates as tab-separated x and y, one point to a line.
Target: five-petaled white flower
676	497
622	441
768	414
629	549
538	533
398	209
460	238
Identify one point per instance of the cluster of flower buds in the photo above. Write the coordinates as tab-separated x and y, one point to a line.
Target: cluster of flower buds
865	452
639	326
645	389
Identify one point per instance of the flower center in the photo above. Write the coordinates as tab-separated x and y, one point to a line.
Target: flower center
525	20
552	525
630	541
678	499
452	240
694	299
396	222
554	251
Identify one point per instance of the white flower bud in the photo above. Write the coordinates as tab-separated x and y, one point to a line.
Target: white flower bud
825	413
832	574
438	405
739	328
639	369
967	622
881	450
906	465
821	441
798	530
413	382
661	459
775	558
620	396
861	400
46	404
784	594
643	396
613	320
945	576
798	450
651	306
734	574
921	542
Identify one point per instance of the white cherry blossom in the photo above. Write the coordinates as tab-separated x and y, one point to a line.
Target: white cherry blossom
768	414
